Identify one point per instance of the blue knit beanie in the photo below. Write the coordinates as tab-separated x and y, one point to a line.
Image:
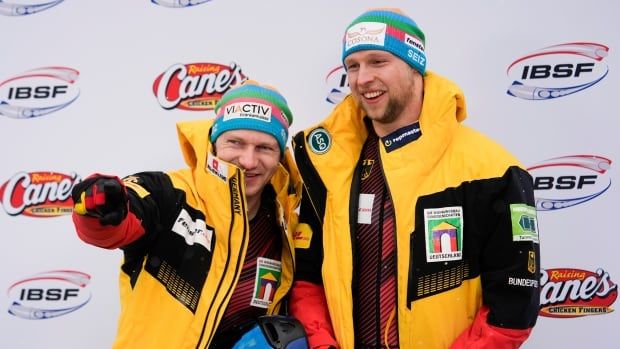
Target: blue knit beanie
388	30
251	106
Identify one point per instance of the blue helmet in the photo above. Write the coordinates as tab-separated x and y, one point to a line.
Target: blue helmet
274	331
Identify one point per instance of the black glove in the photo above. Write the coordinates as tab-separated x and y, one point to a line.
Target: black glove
101	196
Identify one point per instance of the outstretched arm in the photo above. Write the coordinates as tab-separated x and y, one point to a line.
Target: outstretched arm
101	212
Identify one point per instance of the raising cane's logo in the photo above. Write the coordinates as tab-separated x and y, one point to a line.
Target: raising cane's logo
567	293
26	7
196	86
38	194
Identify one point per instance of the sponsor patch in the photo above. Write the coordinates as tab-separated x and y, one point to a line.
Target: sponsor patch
524	224
319	141
414	42
401	137
522	282
216	168
193	231
268	272
242	110
443	234
365	33
364	209
302	236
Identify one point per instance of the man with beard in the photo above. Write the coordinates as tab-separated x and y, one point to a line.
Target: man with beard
412	225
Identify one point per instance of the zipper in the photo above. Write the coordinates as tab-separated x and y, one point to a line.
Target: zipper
212	327
388	195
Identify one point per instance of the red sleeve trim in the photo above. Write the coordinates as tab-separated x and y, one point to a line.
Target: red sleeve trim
481	335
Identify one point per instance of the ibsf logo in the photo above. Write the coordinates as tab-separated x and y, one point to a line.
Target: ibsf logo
338	84
568	293
179	3
38	92
196	86
557	71
49	294
38	194
25	7
569	180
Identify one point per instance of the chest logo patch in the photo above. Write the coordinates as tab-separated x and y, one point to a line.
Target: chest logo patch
524	223
443	234
319	141
268	272
367	168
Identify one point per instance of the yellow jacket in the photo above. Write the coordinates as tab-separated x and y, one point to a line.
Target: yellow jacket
450	165
178	277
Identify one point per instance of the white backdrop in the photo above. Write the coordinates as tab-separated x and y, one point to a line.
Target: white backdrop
88	69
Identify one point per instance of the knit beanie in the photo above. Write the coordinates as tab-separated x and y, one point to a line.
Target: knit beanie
251	106
388	30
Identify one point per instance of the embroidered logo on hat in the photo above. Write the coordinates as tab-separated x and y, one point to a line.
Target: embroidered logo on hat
388	30
257	111
414	42
366	33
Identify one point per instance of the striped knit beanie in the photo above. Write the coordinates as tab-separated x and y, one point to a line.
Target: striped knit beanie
251	106
388	30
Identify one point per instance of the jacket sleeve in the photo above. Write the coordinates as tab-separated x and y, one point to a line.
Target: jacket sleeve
509	264
481	335
308	302
308	305
92	232
149	194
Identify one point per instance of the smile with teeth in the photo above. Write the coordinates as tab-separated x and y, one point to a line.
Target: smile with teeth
372	94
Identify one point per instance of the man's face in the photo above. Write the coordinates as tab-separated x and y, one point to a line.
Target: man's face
381	83
257	153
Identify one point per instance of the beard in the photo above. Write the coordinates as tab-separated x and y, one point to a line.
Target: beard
393	110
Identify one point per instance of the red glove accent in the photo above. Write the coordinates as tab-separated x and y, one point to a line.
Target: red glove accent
101	212
309	306
101	196
91	231
481	335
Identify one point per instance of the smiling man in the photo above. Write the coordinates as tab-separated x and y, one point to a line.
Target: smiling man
207	249
411	224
